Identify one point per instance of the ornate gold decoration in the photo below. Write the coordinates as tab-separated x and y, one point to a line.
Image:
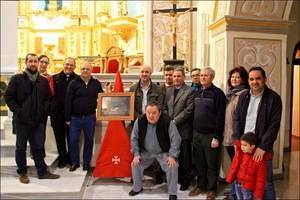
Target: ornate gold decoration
52	11
124	26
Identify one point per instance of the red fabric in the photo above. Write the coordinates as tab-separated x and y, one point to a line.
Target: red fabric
118	87
112	66
252	175
50	82
114	160
96	69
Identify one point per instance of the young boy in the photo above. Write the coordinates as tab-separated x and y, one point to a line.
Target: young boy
249	176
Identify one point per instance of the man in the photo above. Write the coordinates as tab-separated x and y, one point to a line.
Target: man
180	105
209	117
60	128
195	75
81	104
168	76
259	111
145	91
155	137
27	96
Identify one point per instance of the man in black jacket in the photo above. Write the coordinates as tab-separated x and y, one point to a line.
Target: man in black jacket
80	113
259	111
60	128
27	96
209	117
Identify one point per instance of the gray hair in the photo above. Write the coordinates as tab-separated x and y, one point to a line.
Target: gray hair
211	71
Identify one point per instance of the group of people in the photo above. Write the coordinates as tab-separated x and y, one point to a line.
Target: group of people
182	128
179	128
69	99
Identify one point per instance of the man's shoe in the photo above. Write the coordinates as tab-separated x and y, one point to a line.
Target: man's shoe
49	175
211	195
24	178
133	193
61	164
172	197
73	168
86	167
196	191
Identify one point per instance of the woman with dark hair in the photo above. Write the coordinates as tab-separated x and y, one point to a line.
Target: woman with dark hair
238	83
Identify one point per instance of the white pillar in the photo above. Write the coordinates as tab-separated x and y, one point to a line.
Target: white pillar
148	33
9	35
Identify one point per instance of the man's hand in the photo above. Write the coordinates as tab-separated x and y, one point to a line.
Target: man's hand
68	123
171	162
214	143
259	154
136	160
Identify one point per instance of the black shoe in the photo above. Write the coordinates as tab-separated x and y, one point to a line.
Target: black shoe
61	164
172	197
49	175
133	193
86	167
184	187
73	168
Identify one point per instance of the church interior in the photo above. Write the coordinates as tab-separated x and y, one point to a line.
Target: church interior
124	35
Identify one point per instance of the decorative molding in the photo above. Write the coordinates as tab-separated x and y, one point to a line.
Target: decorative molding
260	52
232	23
271	9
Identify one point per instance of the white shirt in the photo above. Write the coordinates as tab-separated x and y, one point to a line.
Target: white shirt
145	92
252	112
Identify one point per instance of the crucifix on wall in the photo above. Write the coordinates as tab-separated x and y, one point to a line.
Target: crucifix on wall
174	13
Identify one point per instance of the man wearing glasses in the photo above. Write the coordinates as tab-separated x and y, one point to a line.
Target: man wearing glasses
80	114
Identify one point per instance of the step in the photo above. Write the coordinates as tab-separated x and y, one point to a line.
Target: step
68	186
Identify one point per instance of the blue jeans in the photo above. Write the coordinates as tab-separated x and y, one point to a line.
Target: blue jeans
241	192
269	188
87	124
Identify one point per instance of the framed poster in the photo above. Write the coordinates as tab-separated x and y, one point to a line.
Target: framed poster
115	106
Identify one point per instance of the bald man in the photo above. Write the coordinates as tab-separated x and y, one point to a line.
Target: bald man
145	91
80	114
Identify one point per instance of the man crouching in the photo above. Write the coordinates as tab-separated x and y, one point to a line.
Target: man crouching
155	136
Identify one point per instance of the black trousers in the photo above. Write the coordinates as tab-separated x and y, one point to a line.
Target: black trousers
185	162
61	133
36	137
207	161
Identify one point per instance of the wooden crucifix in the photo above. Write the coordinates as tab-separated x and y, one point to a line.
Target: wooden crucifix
174	13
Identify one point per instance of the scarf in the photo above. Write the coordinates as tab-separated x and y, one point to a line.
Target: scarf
233	90
31	75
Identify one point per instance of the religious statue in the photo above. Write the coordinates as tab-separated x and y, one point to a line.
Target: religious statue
173	25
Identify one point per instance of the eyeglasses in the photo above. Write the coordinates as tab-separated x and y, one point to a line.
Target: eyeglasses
45	62
86	69
194	75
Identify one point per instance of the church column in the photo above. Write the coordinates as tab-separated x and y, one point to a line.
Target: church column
9	33
253	41
148	33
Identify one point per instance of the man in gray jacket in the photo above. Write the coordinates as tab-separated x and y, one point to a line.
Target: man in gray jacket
155	137
179	107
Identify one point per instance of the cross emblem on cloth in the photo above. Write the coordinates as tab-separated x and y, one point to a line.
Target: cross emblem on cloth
116	160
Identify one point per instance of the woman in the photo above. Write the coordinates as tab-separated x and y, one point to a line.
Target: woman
43	65
238	83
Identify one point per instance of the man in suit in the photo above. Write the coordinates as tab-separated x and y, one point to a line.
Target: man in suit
168	76
180	105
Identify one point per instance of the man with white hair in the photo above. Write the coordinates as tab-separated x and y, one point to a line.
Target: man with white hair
209	117
80	114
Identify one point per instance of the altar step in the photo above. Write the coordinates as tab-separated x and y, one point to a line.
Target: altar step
68	186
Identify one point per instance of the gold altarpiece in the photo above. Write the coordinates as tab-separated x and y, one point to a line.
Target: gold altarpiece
85	30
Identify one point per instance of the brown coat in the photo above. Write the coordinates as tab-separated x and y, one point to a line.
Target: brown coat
228	130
